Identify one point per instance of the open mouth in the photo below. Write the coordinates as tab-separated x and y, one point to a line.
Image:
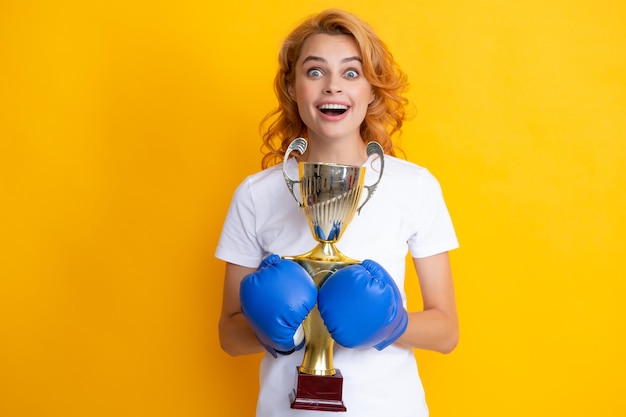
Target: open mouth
333	109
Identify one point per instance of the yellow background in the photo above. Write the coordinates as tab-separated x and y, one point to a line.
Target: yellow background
126	125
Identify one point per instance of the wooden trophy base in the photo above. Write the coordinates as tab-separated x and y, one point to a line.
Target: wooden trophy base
318	392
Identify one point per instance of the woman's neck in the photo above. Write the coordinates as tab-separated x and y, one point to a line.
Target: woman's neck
344	152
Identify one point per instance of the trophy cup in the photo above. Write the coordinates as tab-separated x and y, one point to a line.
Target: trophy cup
330	196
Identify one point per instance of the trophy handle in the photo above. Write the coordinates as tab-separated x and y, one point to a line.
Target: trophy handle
298	144
373	148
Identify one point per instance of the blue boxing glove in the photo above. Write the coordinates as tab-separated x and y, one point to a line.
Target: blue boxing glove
275	299
362	307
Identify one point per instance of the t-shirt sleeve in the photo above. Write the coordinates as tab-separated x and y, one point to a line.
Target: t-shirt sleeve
238	242
434	232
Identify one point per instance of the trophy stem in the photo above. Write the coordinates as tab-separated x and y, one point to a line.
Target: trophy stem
320	263
318	352
326	251
318	384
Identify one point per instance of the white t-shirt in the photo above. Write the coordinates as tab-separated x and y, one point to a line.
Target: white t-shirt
406	213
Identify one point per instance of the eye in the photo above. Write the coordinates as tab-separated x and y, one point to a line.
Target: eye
314	73
351	74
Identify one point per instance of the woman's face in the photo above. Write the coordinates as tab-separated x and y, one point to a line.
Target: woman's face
330	89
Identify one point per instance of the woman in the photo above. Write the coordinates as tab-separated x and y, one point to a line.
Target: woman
339	87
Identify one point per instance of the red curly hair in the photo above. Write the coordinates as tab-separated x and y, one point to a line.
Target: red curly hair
385	115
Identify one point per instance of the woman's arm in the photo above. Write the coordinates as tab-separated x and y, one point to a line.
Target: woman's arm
436	327
236	336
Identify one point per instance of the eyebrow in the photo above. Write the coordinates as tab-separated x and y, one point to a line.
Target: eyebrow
320	59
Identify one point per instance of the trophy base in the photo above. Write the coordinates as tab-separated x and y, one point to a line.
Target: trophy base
318	392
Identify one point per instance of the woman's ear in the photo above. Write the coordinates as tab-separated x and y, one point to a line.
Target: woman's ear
291	92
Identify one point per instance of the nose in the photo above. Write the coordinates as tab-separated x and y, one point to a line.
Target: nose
331	90
333	85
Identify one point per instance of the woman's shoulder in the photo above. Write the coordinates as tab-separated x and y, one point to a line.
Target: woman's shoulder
268	183
264	177
405	169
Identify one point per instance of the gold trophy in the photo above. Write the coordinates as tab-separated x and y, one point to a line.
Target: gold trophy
330	196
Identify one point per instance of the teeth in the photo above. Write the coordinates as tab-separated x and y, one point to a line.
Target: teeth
333	107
